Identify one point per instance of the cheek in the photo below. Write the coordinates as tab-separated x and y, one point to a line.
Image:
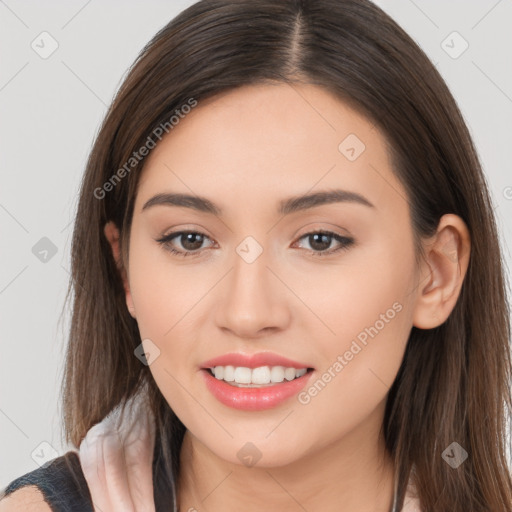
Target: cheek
369	315
359	368
163	292
368	297
165	296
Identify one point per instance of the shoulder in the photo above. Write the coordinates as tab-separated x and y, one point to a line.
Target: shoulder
28	499
59	485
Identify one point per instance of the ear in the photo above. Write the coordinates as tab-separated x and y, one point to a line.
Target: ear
112	235
446	262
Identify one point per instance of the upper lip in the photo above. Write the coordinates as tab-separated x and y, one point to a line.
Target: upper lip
253	361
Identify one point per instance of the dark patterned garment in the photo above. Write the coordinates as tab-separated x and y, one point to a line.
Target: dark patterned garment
61	482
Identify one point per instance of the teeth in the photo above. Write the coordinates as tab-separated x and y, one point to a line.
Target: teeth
258	376
229	373
242	375
277	373
289	373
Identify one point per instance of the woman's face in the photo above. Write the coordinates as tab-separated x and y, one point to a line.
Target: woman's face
260	278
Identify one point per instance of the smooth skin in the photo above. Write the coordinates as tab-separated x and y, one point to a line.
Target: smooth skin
246	151
26	499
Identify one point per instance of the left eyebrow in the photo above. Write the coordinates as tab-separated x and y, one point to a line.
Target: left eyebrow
285	207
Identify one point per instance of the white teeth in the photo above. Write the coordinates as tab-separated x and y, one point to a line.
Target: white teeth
277	374
229	373
261	375
289	373
257	376
242	375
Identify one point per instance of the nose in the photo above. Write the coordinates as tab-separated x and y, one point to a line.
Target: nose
253	302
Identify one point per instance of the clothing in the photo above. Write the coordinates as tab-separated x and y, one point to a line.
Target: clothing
65	489
61	482
411	502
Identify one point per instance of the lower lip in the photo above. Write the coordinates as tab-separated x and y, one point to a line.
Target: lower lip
254	399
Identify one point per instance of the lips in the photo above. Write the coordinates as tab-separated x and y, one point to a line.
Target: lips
254	361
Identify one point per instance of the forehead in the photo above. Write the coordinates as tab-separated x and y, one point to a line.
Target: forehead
266	140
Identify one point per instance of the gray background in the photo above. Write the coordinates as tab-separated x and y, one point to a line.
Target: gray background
50	110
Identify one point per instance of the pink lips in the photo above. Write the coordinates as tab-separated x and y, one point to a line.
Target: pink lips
253	399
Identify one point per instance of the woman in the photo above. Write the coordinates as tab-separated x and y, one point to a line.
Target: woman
286	248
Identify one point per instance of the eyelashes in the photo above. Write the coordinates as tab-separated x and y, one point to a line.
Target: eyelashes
318	237
166	242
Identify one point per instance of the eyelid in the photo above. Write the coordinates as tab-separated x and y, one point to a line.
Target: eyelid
318	226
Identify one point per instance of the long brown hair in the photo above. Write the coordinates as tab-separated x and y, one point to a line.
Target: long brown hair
453	384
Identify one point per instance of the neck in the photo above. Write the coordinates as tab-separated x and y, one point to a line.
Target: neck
353	474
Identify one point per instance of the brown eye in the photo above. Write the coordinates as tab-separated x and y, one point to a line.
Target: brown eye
320	242
190	241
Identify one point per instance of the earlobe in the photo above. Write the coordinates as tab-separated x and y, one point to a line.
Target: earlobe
112	235
445	266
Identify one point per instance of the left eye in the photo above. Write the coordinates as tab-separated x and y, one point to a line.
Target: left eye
191	241
319	241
